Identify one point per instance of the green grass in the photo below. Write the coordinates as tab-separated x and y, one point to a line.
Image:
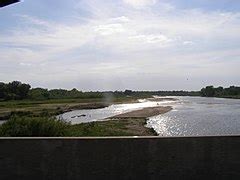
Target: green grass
108	128
33	127
26	126
31	118
53	106
30	103
128	127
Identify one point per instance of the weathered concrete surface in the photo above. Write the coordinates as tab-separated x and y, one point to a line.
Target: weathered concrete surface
120	158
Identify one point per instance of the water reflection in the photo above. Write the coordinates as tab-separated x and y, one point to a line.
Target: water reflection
196	116
191	116
89	115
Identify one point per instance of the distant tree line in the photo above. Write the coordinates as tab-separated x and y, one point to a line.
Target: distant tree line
14	90
162	93
44	94
17	91
210	91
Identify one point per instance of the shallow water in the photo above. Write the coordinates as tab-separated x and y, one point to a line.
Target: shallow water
199	116
191	116
89	115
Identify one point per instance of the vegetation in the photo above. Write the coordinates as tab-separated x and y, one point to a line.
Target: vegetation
53	106
20	98
96	129
33	127
161	93
14	90
20	91
26	126
30	111
45	94
231	92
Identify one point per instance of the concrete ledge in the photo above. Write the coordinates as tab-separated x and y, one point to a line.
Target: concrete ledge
120	158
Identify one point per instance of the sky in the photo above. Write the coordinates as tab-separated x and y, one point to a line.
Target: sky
121	44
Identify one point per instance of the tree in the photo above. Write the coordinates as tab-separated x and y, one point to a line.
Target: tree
14	90
39	94
219	91
209	91
128	92
23	90
2	90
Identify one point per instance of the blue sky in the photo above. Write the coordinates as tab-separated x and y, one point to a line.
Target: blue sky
121	44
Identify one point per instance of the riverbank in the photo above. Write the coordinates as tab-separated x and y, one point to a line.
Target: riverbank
127	124
131	124
143	113
126	127
55	107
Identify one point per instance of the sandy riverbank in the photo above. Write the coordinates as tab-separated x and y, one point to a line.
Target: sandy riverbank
143	113
134	123
127	124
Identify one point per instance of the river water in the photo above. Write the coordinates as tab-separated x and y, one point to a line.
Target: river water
191	116
89	115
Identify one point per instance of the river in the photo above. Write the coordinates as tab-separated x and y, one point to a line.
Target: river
191	116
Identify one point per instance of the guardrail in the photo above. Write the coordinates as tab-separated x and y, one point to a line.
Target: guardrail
120	158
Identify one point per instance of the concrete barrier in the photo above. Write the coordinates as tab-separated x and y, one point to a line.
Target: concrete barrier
120	158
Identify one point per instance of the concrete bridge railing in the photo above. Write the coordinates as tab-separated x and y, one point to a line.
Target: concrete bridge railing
120	158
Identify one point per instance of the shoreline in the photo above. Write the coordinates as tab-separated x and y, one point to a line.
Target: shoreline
136	121
143	113
39	108
132	123
52	110
127	124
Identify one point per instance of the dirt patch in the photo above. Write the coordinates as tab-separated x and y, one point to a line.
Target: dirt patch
143	113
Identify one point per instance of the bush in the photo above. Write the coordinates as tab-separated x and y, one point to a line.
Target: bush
33	127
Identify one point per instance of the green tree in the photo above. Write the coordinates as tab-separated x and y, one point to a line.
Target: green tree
209	91
39	94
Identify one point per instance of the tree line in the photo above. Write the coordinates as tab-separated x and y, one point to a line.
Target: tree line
211	91
14	90
17	90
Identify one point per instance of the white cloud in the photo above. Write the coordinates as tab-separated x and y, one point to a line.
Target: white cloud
121	19
25	64
188	43
140	3
117	42
109	29
151	38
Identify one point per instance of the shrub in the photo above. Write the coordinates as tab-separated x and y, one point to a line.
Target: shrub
33	127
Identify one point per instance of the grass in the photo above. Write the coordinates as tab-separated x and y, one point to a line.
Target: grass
45	126
33	127
98	129
32	118
127	127
54	106
31	103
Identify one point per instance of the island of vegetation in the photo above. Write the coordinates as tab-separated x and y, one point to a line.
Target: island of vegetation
31	111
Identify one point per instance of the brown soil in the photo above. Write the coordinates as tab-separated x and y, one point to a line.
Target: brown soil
144	113
134	123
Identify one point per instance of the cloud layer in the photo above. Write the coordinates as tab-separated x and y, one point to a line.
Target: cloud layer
137	44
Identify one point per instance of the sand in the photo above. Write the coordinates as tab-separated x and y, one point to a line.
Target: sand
144	113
